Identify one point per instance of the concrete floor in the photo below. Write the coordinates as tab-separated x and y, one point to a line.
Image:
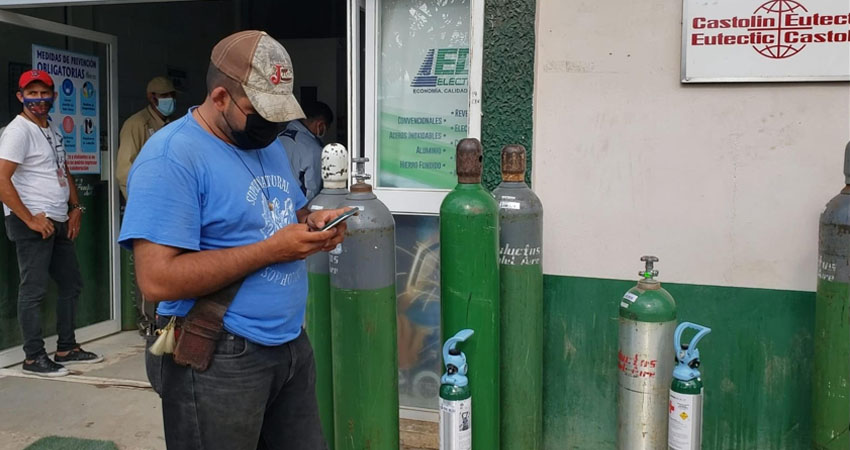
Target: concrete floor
111	400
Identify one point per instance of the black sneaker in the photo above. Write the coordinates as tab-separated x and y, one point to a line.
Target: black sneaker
78	356
44	367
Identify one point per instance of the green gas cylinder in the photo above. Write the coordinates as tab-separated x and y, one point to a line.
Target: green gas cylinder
364	337
521	276
645	363
831	368
317	319
469	270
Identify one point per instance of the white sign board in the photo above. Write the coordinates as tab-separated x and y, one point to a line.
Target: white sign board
753	40
76	112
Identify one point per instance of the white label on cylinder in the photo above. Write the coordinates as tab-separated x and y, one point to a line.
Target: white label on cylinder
456	424
630	297
508	205
316	207
685	421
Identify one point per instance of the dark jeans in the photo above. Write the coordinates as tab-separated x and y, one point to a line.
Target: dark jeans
251	397
38	260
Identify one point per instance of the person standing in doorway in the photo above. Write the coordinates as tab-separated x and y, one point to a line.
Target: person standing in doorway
135	132
302	140
43	217
142	125
213	208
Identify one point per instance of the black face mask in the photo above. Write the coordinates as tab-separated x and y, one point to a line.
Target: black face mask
258	132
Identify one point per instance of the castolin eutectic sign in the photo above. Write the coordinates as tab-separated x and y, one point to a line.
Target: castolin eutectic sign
778	40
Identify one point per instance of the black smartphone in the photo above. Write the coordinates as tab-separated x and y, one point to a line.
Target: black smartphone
340	218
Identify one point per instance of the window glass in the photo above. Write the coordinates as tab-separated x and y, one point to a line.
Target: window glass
423	91
418	293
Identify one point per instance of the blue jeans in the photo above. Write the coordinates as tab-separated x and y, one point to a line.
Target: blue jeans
38	261
251	397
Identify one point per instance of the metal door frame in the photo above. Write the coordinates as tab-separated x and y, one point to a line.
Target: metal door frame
15	354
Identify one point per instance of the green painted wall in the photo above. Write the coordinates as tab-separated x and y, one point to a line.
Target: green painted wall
756	363
93	255
508	82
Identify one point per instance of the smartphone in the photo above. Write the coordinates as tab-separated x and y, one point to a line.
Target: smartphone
340	218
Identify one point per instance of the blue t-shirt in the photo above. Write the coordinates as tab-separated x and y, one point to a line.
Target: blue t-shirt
189	189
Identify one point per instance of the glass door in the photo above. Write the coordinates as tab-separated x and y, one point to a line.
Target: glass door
82	65
420	96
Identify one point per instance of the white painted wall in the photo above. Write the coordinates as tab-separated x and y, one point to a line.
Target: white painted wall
724	182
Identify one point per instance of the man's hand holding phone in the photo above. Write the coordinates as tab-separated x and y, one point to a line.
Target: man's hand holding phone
300	240
331	219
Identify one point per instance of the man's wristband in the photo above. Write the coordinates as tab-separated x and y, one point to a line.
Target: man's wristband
73	206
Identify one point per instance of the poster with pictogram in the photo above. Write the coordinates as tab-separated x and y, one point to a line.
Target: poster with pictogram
76	111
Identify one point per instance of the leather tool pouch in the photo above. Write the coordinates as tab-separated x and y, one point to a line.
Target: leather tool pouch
203	327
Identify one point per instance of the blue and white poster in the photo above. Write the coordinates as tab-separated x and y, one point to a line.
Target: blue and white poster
76	113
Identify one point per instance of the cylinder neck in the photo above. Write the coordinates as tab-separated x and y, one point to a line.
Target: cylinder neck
513	163
360	176
513	185
334	184
469	187
361	188
362	195
470	161
334	191
649	285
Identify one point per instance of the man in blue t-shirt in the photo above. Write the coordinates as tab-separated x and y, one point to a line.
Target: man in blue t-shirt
213	201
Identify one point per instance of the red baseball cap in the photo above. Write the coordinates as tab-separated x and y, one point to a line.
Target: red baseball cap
34	75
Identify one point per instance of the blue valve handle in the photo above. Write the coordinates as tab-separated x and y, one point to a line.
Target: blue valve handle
456	367
683	370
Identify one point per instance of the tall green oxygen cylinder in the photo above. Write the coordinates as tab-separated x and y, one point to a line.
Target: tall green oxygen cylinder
363	323
684	430
318	317
645	363
521	275
469	285
831	377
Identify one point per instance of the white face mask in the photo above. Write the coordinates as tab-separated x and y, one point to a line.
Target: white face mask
165	106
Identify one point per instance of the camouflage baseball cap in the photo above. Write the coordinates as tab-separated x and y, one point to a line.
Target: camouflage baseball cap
263	68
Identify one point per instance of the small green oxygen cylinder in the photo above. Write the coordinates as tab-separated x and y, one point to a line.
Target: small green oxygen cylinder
684	430
455	397
318	316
